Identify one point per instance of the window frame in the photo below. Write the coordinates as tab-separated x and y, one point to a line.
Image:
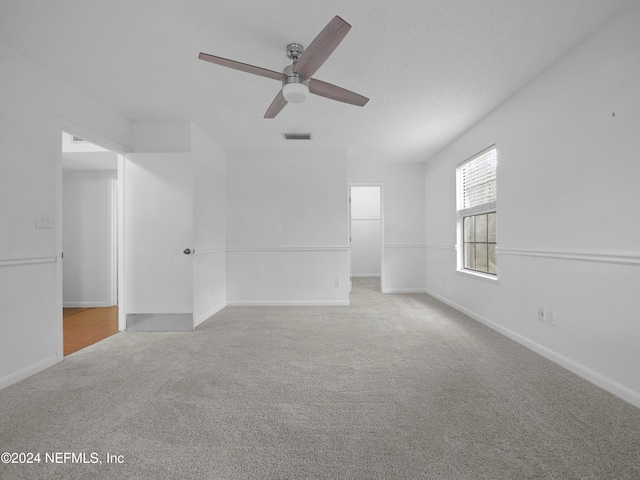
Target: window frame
482	209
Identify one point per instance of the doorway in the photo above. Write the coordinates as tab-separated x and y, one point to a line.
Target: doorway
366	232
89	242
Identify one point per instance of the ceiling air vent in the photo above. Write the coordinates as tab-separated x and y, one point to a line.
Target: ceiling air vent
297	136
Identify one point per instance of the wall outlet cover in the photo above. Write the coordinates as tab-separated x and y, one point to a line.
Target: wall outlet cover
44	220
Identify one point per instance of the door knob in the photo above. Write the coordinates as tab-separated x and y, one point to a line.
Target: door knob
187	251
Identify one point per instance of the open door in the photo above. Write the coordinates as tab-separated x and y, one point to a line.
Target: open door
366	232
89	255
158	241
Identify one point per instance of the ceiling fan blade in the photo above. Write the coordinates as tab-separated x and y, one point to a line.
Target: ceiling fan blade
276	106
243	67
321	47
324	89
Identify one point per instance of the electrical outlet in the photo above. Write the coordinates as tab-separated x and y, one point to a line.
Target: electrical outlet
551	318
541	314
336	282
44	220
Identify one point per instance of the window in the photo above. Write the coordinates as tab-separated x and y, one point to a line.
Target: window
477	213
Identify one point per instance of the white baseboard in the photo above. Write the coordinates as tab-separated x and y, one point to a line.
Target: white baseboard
403	290
288	303
26	372
86	304
601	381
206	316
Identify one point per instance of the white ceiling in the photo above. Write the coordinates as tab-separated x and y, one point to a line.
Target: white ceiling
432	68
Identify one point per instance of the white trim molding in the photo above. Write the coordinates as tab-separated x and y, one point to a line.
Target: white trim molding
288	303
434	246
405	290
600	257
26	372
405	245
493	279
7	262
293	248
209	251
96	304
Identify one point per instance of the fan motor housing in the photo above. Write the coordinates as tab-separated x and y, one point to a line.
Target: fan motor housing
293	77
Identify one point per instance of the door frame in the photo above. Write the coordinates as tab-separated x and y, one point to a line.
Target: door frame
70	128
382	228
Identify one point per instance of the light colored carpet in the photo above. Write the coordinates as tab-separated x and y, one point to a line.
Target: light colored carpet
393	387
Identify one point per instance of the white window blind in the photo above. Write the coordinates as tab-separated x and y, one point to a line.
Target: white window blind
478	180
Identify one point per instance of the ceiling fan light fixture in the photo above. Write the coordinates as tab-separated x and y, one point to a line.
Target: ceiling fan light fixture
295	92
295	87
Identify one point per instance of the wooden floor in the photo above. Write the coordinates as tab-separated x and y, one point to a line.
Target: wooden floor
86	326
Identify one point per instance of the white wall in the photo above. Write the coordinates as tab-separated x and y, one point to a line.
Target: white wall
161	136
88	238
366	235
287	223
403	211
35	105
568	212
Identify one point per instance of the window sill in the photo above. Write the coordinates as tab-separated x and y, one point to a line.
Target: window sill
479	275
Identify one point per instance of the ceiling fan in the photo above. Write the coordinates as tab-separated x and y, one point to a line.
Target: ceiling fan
296	78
